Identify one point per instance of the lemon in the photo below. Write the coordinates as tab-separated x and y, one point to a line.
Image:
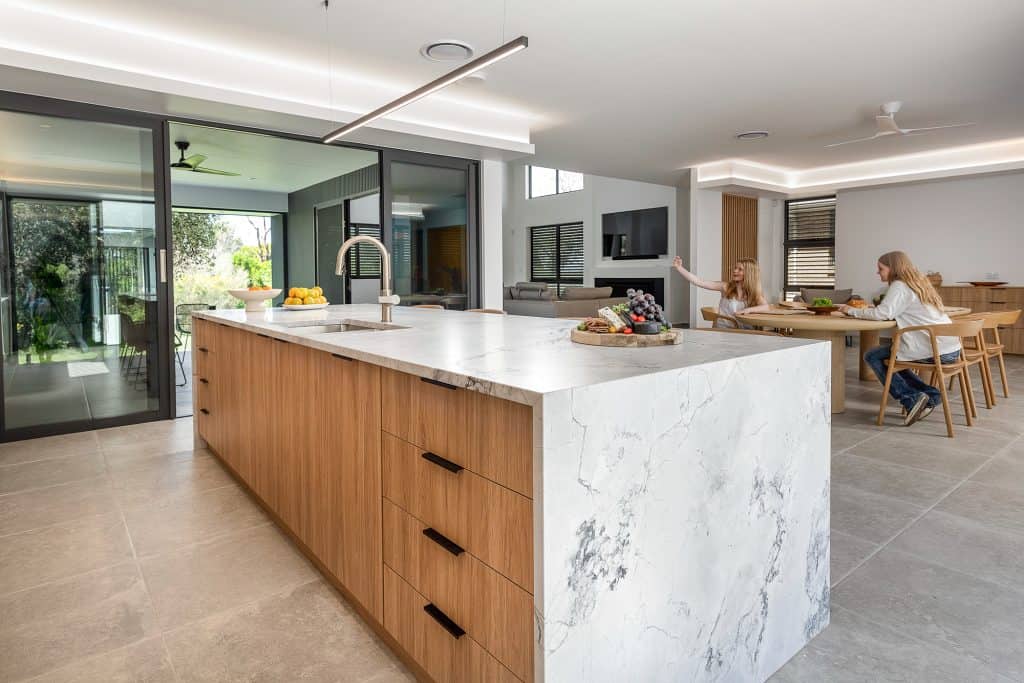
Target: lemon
321	299
293	292
316	291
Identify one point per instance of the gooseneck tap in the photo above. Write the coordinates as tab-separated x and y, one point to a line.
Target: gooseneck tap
386	298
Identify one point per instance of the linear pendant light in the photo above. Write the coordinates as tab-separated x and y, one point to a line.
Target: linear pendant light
477	64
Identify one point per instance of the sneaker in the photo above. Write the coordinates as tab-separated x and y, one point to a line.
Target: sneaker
915	412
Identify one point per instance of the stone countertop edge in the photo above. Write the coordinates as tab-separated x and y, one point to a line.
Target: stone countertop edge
744	345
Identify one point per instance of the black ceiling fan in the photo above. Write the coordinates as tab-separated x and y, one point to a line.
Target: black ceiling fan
193	162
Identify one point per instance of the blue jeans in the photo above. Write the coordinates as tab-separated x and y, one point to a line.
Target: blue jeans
905	385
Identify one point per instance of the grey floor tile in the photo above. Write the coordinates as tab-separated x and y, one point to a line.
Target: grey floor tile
846	437
896	481
17	452
54	625
153	479
37	508
966	546
846	553
950	457
853	650
191	518
189	584
1007	472
306	634
992	506
142	662
869	516
33	475
950	610
34	557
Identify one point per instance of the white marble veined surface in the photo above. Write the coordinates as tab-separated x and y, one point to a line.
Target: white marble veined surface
685	522
515	357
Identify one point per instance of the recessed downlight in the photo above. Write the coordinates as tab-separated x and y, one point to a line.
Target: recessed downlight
752	135
447	51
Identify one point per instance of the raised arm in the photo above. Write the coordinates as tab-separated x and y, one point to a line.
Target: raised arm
713	285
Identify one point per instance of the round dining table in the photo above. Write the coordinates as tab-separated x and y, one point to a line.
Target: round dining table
833	328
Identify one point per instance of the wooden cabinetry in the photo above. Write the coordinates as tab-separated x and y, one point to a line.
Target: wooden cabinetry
321	439
982	299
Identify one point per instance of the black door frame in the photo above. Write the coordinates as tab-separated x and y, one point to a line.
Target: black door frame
45	106
388	156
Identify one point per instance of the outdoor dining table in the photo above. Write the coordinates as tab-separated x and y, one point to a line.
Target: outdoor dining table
834	328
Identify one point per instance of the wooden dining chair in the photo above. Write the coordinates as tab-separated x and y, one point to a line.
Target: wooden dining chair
712	316
495	311
940	371
432	306
994	347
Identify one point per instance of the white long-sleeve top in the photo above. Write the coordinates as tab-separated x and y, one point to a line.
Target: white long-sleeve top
902	305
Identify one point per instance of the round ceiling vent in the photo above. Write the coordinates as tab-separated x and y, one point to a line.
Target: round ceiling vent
752	135
447	51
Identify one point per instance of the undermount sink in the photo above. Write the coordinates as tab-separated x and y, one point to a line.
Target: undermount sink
329	327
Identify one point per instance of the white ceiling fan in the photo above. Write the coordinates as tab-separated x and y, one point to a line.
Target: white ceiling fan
886	123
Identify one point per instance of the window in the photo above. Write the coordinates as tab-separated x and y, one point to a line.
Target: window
362	260
556	255
542	182
810	245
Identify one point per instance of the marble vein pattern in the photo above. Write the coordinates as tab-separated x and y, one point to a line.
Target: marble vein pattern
685	520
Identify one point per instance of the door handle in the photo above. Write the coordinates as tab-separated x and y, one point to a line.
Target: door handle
163	266
444	620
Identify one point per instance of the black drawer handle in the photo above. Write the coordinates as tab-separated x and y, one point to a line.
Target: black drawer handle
204	349
338	355
442	462
204	411
443	619
443	541
438	383
204	380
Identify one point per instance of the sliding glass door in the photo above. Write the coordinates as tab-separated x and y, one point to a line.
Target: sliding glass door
82	299
433	229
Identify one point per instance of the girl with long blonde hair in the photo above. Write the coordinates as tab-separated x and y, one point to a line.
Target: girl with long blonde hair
910	301
741	294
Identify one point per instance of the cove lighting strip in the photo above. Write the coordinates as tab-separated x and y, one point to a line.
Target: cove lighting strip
477	64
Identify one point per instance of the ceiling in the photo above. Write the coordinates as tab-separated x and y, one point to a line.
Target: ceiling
265	163
639	94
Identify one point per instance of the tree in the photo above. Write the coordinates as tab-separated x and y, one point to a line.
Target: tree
195	239
248	259
261	224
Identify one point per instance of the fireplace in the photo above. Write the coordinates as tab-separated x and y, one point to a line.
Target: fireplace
619	285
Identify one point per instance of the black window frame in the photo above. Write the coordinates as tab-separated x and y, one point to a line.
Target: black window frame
789	287
558	281
529	183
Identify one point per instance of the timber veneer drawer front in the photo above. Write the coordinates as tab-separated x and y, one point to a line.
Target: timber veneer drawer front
203	334
436	642
489	436
495	612
491	522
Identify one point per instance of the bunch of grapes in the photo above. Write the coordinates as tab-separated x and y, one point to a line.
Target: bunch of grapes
643	305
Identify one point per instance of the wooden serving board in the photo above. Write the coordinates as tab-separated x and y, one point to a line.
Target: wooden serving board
626	340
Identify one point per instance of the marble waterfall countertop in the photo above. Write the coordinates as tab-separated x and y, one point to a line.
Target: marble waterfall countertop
519	358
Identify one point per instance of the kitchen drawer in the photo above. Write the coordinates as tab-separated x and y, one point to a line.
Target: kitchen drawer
204	338
206	420
489	436
495	612
446	655
489	521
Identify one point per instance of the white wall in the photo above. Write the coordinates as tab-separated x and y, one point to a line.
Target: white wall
599	196
493	197
965	228
195	196
706	247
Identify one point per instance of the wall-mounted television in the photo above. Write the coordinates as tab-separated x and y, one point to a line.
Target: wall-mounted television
636	234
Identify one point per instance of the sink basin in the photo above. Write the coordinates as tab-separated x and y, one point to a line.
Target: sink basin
332	326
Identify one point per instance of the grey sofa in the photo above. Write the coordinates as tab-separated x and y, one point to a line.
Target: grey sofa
537	299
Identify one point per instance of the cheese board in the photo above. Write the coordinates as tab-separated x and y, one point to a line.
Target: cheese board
620	340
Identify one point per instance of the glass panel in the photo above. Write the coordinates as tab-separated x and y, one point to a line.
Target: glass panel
542	181
568	181
80	331
429	234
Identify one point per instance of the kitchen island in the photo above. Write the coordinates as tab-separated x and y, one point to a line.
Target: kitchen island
502	504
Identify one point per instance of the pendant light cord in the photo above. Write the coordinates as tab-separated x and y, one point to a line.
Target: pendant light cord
330	64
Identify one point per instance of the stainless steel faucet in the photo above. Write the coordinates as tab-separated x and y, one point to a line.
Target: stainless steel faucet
386	298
